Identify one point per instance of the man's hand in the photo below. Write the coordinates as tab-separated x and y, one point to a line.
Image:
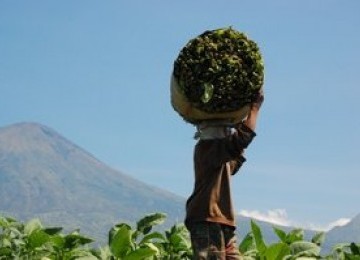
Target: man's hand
255	105
257	100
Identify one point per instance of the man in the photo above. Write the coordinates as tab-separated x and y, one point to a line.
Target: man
209	211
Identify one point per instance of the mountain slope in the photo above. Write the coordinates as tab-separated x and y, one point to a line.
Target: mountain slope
44	175
344	234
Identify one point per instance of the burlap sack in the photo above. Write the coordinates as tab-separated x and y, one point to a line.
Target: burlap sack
194	116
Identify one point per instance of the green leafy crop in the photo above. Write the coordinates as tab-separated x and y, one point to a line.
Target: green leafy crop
220	70
32	241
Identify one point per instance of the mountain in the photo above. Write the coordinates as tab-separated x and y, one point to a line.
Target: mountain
44	175
344	234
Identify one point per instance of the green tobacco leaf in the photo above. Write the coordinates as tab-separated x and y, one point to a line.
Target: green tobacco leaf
145	224
176	230
32	225
6	252
147	250
280	233
179	242
52	230
153	236
58	241
251	255
277	251
304	248
341	247
115	229
208	93
88	257
295	235
105	253
5	222
37	238
74	240
121	242
355	249
318	238
15	232
5	242
248	243
260	244
80	253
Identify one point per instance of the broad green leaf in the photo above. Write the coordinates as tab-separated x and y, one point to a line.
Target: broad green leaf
52	230
179	242
153	236
37	238
32	225
5	251
340	247
114	230
260	244
6	242
81	253
179	228
74	240
89	257
318	238
15	232
58	241
349	256
143	252
105	252
251	254
208	92
355	249
280	233
7	221
295	235
3	222
277	251
145	224
248	243
18	242
306	258
301	248
179	237
121	242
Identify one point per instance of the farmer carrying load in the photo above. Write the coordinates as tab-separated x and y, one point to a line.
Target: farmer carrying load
217	86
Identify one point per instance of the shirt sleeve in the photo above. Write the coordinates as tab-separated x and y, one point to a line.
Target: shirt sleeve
236	164
238	141
234	145
243	136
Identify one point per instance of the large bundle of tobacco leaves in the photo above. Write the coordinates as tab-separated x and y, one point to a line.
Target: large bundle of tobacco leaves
219	71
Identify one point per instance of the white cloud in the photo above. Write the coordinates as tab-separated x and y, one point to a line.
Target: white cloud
280	217
325	227
275	216
338	223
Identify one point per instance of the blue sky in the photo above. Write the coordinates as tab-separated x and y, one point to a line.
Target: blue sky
98	72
